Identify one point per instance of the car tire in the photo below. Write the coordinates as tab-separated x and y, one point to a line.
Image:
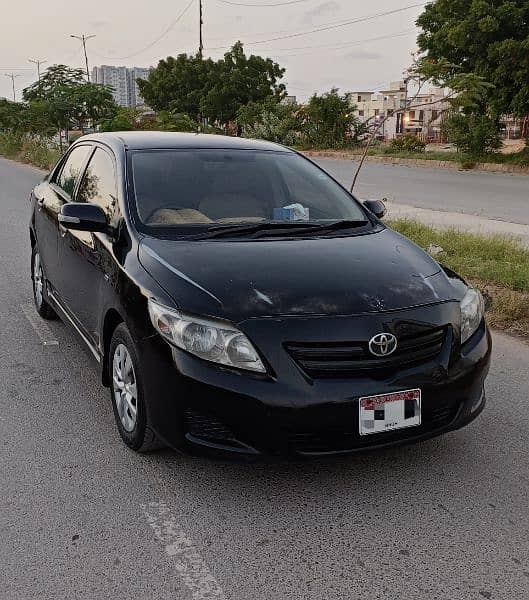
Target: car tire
129	394
40	288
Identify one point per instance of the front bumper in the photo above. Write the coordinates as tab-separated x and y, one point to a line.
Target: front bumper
208	407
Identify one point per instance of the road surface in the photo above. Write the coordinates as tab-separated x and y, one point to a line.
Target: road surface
491	195
82	517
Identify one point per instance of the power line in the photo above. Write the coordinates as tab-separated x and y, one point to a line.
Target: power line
154	42
342	44
329	27
261	5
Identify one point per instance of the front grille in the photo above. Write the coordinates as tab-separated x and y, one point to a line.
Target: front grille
350	359
342	440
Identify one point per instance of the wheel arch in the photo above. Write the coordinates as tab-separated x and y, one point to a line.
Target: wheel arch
111	321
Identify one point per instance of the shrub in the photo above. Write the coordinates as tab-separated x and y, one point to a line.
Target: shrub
473	134
407	143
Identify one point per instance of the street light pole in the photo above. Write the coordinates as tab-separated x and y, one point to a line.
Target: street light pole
38	63
201	23
13	76
83	39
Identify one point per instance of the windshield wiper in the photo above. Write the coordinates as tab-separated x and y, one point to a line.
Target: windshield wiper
329	227
276	229
245	229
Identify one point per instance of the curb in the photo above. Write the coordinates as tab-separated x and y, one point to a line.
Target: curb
418	162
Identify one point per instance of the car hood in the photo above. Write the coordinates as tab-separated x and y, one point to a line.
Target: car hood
242	279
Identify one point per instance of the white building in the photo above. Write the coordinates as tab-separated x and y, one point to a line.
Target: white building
122	81
423	116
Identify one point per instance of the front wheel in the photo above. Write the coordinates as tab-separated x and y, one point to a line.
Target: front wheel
127	390
39	287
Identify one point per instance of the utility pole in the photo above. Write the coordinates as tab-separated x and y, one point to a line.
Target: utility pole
38	63
83	39
201	23
13	76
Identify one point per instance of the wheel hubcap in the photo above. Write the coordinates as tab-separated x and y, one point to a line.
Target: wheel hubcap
124	386
38	283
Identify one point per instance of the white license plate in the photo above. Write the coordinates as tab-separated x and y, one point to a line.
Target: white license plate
387	412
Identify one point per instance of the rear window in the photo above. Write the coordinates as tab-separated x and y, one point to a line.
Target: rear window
178	188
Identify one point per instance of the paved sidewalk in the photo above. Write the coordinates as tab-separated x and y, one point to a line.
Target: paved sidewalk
460	221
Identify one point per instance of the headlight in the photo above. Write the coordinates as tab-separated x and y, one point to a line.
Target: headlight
211	340
472	312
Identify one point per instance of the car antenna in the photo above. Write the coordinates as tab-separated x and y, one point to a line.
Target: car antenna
410	74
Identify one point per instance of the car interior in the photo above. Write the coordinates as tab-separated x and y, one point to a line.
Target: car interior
203	187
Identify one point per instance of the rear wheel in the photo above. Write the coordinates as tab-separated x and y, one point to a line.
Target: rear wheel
127	390
39	287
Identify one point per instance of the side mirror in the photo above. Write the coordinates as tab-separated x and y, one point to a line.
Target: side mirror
82	216
377	207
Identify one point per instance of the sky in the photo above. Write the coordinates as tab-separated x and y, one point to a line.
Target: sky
361	56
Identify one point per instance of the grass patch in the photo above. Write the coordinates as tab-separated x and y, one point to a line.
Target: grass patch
497	265
520	159
39	152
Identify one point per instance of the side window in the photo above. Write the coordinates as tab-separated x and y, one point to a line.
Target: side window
99	183
71	170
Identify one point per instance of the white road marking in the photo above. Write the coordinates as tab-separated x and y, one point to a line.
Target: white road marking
39	326
188	562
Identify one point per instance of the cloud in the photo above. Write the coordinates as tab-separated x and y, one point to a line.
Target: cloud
322	9
362	55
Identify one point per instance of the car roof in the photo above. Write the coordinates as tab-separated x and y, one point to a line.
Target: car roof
147	140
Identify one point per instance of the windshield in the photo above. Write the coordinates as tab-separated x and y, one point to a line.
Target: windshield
183	188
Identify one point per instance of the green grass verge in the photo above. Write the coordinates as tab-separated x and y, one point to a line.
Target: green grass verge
38	152
497	265
520	159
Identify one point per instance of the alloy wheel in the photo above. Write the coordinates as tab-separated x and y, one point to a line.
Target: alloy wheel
38	280
124	386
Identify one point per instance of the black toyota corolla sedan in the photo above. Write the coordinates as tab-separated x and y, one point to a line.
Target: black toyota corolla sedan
237	298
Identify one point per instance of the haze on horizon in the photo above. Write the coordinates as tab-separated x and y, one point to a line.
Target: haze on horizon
360	56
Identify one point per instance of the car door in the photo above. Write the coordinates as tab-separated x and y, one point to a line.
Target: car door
87	258
50	196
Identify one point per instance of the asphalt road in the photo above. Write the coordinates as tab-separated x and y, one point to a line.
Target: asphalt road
82	517
491	195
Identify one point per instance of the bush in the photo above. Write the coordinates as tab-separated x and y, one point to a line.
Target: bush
407	143
474	135
327	121
37	151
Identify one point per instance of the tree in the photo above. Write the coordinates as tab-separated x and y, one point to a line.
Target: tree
328	119
64	95
178	84
25	118
125	119
238	80
270	120
91	102
473	134
204	88
488	39
53	82
171	121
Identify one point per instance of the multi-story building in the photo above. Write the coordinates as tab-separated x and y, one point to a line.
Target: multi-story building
134	74
422	117
122	81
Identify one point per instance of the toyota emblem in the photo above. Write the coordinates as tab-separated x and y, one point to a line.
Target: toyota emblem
383	344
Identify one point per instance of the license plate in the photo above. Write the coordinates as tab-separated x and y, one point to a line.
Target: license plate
388	412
